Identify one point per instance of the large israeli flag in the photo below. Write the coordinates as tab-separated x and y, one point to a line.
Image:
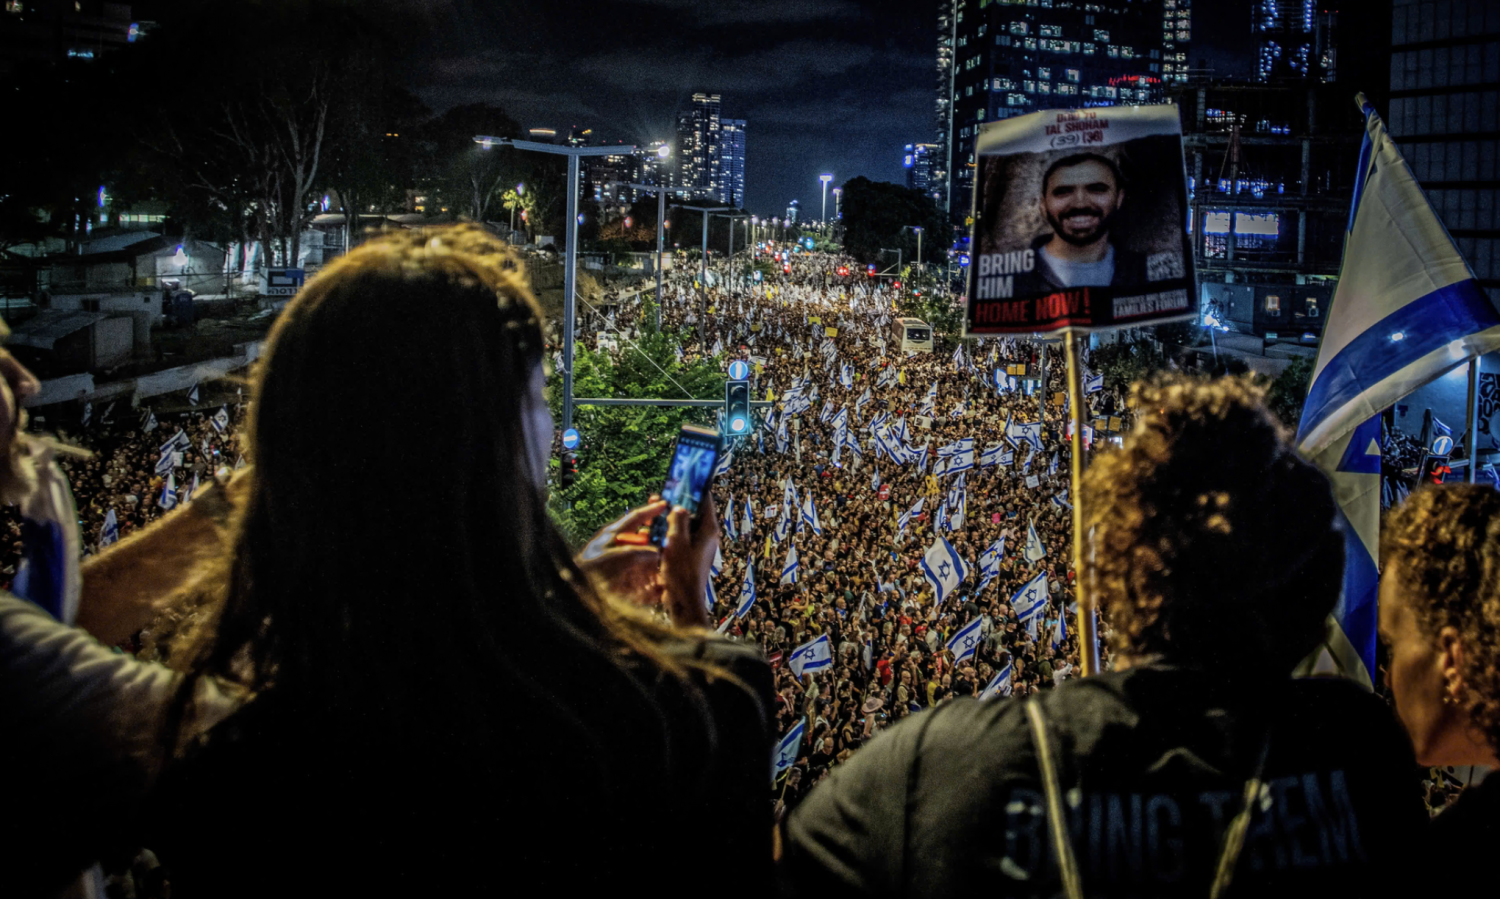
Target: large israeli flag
961	461
1034	552
1030	600
1406	311
168	498
789	570
999	685
814	655
810	515
966	642
786	750
943	568
747	591
991	455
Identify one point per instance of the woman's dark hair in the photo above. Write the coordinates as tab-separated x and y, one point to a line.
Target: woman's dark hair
1213	543
1443	547
395	575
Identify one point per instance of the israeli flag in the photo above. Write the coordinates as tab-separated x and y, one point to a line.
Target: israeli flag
863	398
782	438
717	565
187	496
989	563
815	655
1034	552
180	441
1052	465
718	349
991	455
165	463
1093	383
220	419
963	461
789	570
149	424
921	457
1406	311
48	574
783	527
956	519
907	516
846	376
943	568
786	751
193	395
999	685
1026	433
875	481
956	490
955	448
722	466
1031	599
1060	631
999	379
966	642
929	402
110	531
747	591
169	493
1060	500
886	376
729	522
852	443
747	523
827	412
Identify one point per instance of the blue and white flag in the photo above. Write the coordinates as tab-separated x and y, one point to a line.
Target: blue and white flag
747	523
814	655
168	498
220	419
875	481
782	438
1026	433
863	398
827	412
999	380
958	356
1052	465
1060	500
956	517
789	569
48	573
991	455
1026	466
1034	552
88	413
179	442
887	375
1093	383
1060	631
956	447
187	495
1406	311
730	525
786	751
810	514
165	463
999	685
943	568
929	402
717	565
962	461
149	424
957	489
907	516
846	376
110	531
722	466
1029	601
966	642
193	395
747	590
989	563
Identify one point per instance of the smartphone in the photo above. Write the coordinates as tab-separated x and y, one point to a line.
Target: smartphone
687	478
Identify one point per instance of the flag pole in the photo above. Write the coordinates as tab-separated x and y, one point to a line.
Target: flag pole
1088	635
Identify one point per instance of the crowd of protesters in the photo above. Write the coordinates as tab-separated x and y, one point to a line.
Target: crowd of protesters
859	576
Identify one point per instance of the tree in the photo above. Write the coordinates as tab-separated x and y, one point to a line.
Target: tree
626	450
1289	391
472	179
879	214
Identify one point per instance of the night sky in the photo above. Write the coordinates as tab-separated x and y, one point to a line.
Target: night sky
836	86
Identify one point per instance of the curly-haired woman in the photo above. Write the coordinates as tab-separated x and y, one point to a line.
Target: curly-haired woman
1195	766
1440	616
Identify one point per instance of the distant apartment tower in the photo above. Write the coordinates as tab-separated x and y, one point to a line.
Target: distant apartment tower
920	162
698	135
1010	59
1445	115
946	34
1176	33
793	212
731	184
1294	41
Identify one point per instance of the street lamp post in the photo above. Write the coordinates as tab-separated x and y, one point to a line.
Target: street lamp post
570	272
703	277
825	178
838	204
661	216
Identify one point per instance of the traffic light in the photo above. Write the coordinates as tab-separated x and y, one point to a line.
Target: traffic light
568	471
737	408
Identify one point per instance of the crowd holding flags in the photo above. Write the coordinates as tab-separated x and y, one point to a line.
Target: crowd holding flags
943	568
1407	310
999	685
1030	601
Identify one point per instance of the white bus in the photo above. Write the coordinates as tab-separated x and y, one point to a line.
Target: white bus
912	335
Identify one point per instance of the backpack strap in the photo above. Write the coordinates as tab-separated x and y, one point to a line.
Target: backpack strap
1234	837
1067	863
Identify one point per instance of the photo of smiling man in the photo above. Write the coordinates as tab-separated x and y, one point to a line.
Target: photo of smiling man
1080	198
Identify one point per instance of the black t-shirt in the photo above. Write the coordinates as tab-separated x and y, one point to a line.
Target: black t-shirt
1152	762
270	805
1470	828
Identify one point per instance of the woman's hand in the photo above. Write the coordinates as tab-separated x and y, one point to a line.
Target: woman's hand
629	571
685	561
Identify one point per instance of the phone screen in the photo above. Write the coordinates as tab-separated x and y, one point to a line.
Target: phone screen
688	476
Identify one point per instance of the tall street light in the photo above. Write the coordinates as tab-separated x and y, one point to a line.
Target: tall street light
661	217
838	205
825	178
570	272
705	211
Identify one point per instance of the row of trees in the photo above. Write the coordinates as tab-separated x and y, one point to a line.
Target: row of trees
242	117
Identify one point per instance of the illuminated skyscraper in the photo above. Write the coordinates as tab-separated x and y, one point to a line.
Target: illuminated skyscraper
731	189
698	133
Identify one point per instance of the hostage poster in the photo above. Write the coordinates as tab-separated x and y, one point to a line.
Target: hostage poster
1080	222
